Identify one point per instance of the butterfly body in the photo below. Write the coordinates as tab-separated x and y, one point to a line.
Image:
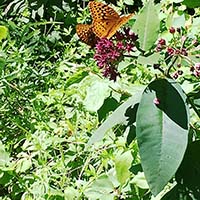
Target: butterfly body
106	22
86	34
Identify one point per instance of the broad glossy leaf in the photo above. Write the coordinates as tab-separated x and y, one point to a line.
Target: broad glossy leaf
147	26
162	131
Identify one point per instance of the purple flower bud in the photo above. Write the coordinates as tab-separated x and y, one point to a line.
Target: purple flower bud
197	66
172	30
197	73
170	51
119	36
184	52
161	42
177	51
156	101
159	47
129	47
175	75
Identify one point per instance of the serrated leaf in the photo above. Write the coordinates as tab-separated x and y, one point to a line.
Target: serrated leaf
122	165
162	131
147	26
117	117
3	32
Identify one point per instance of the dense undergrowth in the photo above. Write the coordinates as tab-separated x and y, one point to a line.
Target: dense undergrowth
54	97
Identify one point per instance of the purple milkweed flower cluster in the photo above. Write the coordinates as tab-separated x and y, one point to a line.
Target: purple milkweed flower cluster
109	52
172	49
178	48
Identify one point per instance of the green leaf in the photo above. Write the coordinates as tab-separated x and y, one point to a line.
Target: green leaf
4	156
70	193
3	32
96	94
101	188
140	180
178	21
150	60
188	173
162	131
110	104
76	78
117	117
192	4
23	165
122	165
147	26
129	2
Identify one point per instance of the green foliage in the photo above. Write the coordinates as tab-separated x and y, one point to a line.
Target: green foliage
66	132
147	26
162	128
3	32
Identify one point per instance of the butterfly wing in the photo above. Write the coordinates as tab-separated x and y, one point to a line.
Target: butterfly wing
101	28
107	28
123	20
100	11
86	34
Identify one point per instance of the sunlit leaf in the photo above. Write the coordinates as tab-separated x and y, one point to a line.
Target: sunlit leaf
4	156
95	95
147	26
101	188
3	32
122	165
140	180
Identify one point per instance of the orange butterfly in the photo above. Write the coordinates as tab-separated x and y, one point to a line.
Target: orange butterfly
86	34
106	22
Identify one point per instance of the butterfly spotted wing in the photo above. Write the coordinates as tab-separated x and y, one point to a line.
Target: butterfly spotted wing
100	11
106	20
86	34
